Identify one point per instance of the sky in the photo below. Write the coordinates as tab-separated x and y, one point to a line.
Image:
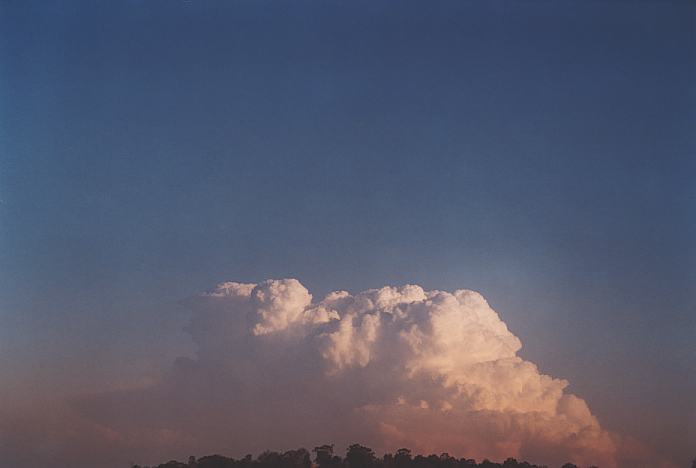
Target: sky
541	153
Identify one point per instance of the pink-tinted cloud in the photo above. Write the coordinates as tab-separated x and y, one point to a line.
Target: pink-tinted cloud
398	366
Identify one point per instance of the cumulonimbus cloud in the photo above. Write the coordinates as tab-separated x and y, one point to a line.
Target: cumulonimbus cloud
393	367
396	366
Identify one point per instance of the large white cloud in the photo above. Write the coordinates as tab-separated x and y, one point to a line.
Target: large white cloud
434	371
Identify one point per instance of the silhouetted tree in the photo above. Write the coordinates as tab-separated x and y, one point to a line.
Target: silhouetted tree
388	460
296	459
402	458
323	455
359	456
172	464
510	463
246	462
214	461
269	459
486	463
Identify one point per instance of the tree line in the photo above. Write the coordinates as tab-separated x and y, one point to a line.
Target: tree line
357	456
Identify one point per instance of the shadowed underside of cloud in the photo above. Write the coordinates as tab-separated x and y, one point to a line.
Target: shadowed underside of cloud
432	370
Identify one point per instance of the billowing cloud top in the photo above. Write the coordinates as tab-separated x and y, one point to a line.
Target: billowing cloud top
432	370
394	367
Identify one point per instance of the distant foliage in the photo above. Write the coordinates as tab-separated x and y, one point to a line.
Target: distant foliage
357	456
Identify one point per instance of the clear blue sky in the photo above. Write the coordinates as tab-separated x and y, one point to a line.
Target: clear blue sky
543	153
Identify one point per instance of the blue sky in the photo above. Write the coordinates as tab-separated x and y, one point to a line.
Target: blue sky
539	152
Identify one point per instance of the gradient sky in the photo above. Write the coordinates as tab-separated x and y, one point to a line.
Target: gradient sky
542	153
